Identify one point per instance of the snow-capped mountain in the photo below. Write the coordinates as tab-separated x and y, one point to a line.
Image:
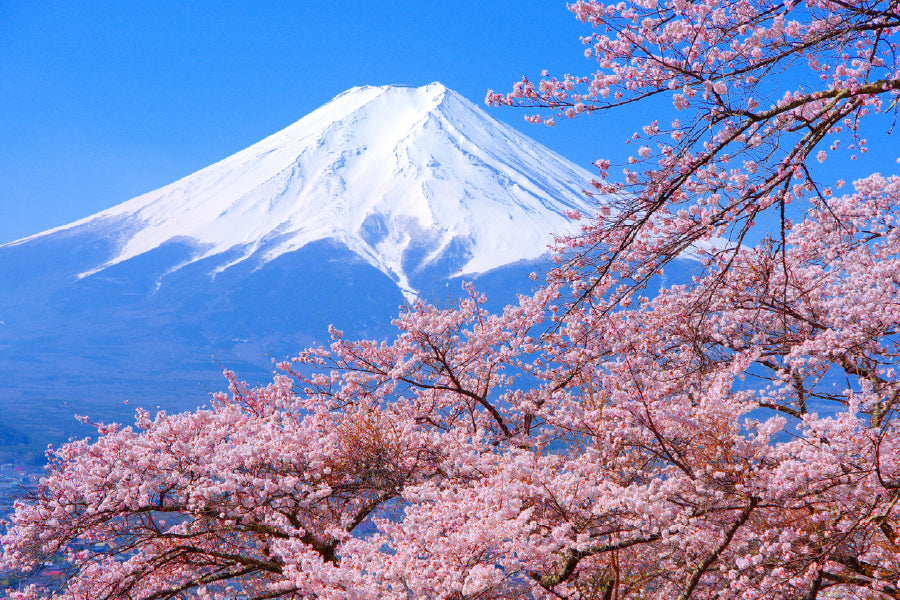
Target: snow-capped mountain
404	177
381	195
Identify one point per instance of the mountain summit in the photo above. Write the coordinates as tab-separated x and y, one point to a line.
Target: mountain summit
415	181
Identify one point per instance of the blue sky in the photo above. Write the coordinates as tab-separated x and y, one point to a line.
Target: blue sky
102	101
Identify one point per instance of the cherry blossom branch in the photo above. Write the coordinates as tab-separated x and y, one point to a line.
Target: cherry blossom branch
714	555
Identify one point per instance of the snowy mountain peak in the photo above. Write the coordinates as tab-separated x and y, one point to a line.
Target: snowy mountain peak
405	177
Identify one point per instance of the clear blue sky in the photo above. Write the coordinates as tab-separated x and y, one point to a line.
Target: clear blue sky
102	101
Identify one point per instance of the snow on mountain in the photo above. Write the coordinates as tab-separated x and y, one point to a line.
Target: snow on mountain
404	177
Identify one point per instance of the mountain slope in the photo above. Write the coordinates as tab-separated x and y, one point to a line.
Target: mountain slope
380	196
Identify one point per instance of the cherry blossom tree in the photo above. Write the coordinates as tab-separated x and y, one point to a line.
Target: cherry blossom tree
739	144
731	436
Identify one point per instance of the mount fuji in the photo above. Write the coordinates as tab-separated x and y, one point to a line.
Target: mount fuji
406	178
383	195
